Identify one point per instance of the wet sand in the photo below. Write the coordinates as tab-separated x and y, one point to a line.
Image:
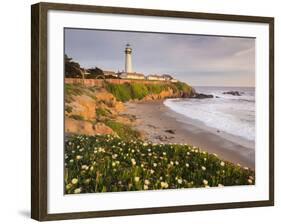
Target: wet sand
159	124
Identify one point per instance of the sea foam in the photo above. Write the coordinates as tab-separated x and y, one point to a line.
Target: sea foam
230	114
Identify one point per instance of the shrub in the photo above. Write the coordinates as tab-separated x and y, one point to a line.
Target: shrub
122	130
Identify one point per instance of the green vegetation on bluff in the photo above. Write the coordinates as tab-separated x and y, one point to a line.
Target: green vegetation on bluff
104	163
137	91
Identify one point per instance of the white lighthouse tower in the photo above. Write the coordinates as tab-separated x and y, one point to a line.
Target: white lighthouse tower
128	59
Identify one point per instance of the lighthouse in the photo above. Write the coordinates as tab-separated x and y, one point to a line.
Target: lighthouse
128	59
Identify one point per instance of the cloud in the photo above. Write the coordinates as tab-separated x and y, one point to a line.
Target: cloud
209	57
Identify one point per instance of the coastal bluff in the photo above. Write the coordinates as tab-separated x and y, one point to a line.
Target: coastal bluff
94	106
100	82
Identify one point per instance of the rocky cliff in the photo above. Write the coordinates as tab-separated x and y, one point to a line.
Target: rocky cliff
97	110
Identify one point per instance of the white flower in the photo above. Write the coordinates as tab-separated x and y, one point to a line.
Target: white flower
74	181
78	157
145	187
145	144
172	163
222	163
71	161
180	181
84	167
152	171
147	182
114	156
250	181
133	161
137	179
164	153
77	191
203	168
220	185
177	163
149	150
113	164
78	146
246	168
187	165
154	164
205	182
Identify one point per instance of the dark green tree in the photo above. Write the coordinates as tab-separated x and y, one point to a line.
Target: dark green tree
95	73
72	69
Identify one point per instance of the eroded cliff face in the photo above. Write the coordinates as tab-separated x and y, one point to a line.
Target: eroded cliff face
86	113
91	110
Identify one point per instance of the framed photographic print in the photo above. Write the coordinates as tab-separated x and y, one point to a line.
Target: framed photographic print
139	111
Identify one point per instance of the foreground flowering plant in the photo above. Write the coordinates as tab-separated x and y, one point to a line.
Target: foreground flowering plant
104	163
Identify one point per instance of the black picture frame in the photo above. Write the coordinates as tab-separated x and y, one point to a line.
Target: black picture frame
39	108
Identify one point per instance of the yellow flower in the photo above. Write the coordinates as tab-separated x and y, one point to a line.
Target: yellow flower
164	184
87	181
74	181
222	163
68	186
147	182
137	179
77	191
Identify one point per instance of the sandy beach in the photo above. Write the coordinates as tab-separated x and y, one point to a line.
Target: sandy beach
160	124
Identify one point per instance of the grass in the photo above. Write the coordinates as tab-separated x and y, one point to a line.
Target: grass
130	91
110	164
77	117
102	112
122	130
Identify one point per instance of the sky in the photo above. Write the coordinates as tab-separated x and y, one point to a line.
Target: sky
196	59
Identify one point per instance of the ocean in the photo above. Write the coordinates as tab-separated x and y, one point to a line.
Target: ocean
228	115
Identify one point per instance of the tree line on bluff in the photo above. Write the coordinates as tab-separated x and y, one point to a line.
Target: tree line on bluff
73	69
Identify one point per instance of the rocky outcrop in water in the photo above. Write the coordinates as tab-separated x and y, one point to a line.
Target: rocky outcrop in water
201	96
233	93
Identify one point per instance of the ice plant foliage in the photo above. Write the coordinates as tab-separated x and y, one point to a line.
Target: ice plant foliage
110	164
